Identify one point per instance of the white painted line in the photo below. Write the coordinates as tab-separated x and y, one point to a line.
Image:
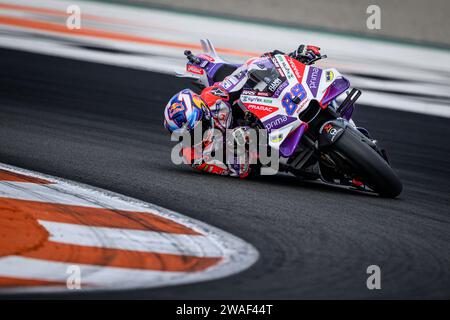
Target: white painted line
62	193
136	240
19	267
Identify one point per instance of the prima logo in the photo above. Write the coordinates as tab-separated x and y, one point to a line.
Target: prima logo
312	83
313	79
278	122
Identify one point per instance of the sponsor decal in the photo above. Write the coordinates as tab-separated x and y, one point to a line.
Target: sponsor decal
207	57
259	110
285	66
280	89
255	99
275	62
281	73
331	131
297	92
297	68
239	76
194	69
329	76
302	105
248	92
263	94
328	127
276	138
274	84
313	79
278	122
226	84
255	93
277	66
231	81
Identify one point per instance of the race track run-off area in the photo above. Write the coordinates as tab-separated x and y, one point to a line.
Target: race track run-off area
56	235
86	177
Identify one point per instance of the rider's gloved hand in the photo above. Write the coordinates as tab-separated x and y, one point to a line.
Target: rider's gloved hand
236	140
238	158
305	53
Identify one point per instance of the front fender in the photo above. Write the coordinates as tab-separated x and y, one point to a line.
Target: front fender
330	132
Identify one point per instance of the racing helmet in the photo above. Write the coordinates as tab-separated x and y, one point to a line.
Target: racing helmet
186	110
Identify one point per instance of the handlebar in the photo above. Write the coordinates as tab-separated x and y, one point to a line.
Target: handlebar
317	58
192	59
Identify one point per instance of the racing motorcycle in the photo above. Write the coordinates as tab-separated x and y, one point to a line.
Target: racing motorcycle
297	104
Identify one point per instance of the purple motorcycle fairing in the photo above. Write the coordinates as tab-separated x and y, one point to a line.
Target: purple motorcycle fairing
212	67
289	144
336	88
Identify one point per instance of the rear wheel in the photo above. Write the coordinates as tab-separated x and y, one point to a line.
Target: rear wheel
367	164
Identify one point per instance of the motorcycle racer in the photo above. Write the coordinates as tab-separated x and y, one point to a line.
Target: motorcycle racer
213	109
289	111
187	111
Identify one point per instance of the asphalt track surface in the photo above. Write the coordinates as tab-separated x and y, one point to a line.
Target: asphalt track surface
102	125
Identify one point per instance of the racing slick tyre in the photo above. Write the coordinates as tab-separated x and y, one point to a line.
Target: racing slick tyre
373	170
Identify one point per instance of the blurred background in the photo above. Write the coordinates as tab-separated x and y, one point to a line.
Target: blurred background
408	20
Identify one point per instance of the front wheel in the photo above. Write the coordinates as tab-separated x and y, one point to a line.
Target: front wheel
367	164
